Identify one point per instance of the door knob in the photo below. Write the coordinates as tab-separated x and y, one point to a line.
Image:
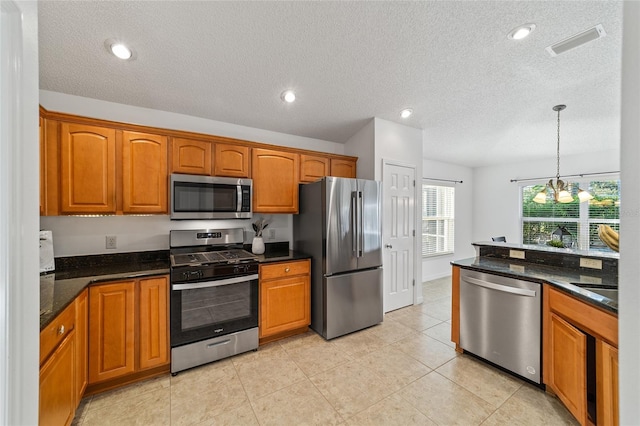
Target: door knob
388	246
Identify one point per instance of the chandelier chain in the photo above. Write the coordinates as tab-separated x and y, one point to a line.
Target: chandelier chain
558	149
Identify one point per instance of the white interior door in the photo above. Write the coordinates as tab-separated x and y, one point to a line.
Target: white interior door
398	231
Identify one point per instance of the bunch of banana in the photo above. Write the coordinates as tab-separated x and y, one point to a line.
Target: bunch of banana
609	237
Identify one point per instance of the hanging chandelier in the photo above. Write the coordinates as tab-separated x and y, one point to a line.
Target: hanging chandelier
560	189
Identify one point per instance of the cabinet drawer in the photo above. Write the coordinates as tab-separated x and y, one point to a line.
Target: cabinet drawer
284	269
55	332
585	316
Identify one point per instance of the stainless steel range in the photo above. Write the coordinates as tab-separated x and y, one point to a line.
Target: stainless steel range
214	297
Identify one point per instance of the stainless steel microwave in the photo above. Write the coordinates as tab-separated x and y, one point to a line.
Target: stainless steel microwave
210	197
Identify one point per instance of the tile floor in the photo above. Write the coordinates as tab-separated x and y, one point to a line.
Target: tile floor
401	372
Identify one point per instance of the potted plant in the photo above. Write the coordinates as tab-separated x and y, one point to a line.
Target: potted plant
257	246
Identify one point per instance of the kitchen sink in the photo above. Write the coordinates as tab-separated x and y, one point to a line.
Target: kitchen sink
610	292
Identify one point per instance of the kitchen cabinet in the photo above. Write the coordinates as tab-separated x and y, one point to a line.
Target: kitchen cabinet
82	344
191	156
232	160
275	181
144	173
455	307
58	398
88	169
285	299
128	331
343	168
568	325
313	167
43	197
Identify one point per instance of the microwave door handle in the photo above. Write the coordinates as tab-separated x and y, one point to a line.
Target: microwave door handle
239	198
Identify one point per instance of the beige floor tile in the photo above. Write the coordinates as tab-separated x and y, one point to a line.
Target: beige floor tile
438	308
417	320
314	359
441	332
81	411
205	392
264	376
390	331
149	408
243	415
530	406
351	388
268	351
445	402
308	339
436	289
359	343
125	393
394	365
392	410
483	380
298	404
427	350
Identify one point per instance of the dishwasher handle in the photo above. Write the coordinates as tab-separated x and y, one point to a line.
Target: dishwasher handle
500	287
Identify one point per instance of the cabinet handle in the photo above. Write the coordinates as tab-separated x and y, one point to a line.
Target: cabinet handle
61	330
286	269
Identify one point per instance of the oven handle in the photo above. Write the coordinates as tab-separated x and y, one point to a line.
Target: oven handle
216	283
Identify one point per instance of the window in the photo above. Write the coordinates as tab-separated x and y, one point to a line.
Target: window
437	219
580	219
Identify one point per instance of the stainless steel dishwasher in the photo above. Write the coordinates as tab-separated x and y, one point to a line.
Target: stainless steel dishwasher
500	321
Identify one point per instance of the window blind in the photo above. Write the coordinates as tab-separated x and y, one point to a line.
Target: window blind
438	224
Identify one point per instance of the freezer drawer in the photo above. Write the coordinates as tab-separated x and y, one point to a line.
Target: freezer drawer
500	321
353	301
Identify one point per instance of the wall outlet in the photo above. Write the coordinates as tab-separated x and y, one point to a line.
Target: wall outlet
516	254
111	242
271	234
585	262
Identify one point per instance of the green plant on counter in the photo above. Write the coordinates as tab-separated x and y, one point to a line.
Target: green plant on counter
555	243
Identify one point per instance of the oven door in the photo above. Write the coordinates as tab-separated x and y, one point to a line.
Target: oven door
202	310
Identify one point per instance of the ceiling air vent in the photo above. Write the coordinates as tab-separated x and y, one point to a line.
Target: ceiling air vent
576	40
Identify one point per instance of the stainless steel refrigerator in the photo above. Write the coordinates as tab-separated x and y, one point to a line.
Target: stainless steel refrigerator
339	225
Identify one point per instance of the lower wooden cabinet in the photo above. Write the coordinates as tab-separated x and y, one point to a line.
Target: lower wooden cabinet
57	387
607	384
82	344
128	331
285	299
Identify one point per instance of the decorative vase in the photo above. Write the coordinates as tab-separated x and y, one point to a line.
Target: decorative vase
257	246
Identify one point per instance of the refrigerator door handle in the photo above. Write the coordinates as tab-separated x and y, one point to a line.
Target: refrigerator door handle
354	222
361	224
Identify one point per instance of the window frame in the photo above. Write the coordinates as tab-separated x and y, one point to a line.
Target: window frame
448	221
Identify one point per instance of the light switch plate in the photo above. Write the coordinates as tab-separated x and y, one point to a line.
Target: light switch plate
516	254
585	262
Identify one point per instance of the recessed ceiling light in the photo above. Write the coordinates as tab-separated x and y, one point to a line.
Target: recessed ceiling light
405	113
119	49
518	33
288	96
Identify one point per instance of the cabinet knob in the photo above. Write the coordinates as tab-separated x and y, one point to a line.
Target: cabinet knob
286	269
61	329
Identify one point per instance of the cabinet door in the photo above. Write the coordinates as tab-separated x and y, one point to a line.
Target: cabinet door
343	168
88	176
607	384
284	305
190	156
144	173
57	385
154	315
232	161
43	188
111	330
275	181
568	366
82	344
313	168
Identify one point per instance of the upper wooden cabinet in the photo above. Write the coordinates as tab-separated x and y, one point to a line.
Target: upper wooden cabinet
313	167
275	181
144	173
343	168
191	156
88	175
232	161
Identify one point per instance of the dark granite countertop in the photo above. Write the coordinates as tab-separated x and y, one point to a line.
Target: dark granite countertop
559	277
58	289
281	256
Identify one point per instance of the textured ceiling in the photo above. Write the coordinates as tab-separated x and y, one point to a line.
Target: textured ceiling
480	98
